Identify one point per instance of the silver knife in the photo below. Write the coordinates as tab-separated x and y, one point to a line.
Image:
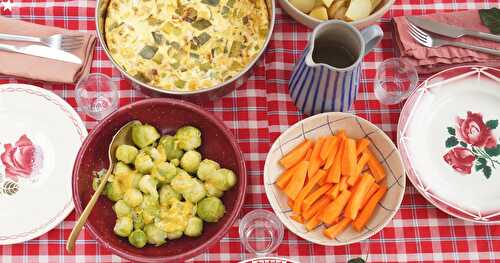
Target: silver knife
44	52
449	30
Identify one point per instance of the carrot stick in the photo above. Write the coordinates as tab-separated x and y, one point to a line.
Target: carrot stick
333	152
349	159
316	207
313	222
370	193
367	211
358	195
334	172
290	202
334	192
352	179
297	218
362	162
296	155
335	208
297	182
341	134
308	155
322	181
310	199
297	205
285	177
361	145
343	183
375	167
327	147
316	161
338	228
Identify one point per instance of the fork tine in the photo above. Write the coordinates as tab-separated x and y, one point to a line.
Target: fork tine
69	37
421	40
418	31
72	42
70	47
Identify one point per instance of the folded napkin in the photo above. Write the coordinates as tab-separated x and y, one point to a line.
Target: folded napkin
430	60
31	67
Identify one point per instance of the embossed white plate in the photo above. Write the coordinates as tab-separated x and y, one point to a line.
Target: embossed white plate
355	127
39	140
448	135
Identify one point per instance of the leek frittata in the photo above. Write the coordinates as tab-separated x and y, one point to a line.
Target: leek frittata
185	45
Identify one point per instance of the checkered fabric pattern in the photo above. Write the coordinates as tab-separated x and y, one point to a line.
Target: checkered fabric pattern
257	112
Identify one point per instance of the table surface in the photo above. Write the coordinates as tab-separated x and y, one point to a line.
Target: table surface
257	112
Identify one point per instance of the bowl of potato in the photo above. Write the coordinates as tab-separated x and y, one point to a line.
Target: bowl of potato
361	13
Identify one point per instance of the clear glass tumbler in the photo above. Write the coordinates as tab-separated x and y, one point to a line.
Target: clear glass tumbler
261	232
97	95
395	80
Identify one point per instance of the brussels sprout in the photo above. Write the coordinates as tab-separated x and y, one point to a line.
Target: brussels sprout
138	221
96	181
155	235
210	209
170	146
126	153
175	162
189	138
132	197
174	235
138	238
166	193
194	227
150	208
164	172
129	180
123	226
148	184
122	209
218	180
143	163
190	161
114	191
196	192
206	168
182	182
230	178
212	190
144	135
121	169
157	155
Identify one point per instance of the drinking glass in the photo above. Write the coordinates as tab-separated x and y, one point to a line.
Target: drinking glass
96	95
395	80
261	232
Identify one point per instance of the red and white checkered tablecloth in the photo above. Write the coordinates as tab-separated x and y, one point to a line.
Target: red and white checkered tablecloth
257	113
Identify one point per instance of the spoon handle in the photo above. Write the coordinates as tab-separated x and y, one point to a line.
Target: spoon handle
70	244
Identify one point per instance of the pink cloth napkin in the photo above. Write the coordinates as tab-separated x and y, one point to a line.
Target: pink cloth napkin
430	60
31	67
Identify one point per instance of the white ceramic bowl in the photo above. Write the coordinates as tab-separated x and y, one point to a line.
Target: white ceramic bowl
312	22
355	127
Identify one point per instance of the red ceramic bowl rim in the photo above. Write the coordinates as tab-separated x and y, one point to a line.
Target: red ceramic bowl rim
232	216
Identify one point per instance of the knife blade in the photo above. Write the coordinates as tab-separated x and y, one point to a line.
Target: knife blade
44	52
449	30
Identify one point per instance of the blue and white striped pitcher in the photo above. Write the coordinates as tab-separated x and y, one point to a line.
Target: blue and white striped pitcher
318	84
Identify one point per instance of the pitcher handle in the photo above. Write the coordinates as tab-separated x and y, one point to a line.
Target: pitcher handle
372	35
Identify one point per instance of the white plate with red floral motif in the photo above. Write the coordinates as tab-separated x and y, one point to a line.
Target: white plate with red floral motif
39	141
448	135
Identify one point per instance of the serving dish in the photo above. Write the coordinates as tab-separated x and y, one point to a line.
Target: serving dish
355	127
167	115
448	136
198	96
34	161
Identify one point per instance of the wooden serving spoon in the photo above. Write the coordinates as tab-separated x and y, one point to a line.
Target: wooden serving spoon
123	136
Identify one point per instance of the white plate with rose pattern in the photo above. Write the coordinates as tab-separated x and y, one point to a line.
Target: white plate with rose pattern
448	136
39	140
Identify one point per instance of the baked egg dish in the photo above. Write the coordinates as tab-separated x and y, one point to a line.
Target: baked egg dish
185	45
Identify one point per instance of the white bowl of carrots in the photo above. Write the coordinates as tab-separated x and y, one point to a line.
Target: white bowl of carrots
334	179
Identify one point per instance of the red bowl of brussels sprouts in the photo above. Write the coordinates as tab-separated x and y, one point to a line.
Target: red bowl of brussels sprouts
173	193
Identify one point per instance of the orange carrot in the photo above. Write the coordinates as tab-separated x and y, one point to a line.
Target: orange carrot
375	167
335	208
316	207
361	145
290	202
349	159
370	193
358	195
334	192
307	189
362	162
322	181
297	218
327	147
367	211
313	222
336	229
333	152
310	199
343	183
308	154
296	155
297	182
334	172
341	134
352	179
285	177
316	161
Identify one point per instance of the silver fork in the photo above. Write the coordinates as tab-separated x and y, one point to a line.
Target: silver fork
58	41
432	41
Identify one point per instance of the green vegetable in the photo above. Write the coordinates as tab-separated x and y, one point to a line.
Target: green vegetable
144	135
122	209
236	48
123	226
121	169
205	66
211	2
201	39
126	153
133	197
206	168
188	137
138	238
166	193
201	24
155	235
171	147
190	161
156	154
114	191
182	182
148	52
138	221
158	58
164	172
212	190
174	235
491	19
148	185
96	181
196	192
225	11
194	227
180	83
158	37
190	15
143	163
230	3
230	178
210	209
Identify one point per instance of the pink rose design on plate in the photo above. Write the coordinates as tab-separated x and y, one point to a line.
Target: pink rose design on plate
474	131
22	159
461	159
